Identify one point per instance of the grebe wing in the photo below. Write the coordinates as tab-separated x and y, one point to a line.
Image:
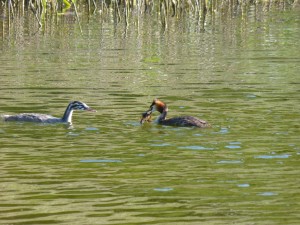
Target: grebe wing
31	117
185	121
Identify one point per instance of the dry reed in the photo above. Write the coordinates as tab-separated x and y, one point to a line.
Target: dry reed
123	10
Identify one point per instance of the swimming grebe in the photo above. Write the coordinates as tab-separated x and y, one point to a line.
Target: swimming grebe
183	121
43	118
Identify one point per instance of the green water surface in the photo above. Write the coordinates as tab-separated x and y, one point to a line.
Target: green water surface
241	74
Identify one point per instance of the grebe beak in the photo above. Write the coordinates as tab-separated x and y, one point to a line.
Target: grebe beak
91	110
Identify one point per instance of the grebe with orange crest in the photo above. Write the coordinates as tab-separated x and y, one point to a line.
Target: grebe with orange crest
182	121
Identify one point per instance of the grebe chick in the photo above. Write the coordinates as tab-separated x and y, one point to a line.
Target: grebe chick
146	116
43	118
183	121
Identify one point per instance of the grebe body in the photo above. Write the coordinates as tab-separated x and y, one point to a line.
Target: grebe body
183	121
44	118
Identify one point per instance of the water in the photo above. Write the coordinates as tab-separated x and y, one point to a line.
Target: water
241	75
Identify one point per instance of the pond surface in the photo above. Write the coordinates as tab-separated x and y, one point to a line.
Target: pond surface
240	74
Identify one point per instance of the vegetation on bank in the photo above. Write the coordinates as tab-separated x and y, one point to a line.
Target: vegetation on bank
123	9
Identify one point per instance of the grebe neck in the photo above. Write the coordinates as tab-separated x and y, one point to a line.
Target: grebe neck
163	115
67	117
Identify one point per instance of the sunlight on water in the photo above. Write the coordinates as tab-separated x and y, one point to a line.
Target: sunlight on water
267	194
196	148
243	185
230	162
232	146
272	156
163	189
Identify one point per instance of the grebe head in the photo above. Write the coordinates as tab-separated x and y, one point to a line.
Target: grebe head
77	105
157	105
146	116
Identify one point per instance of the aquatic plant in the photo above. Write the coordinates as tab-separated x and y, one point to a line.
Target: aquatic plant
123	10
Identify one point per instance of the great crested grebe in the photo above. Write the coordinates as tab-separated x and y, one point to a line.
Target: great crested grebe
183	121
43	118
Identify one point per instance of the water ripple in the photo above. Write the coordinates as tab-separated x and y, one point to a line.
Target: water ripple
223	130
284	156
230	162
165	189
243	185
196	147
100	161
92	129
232	146
267	193
160	145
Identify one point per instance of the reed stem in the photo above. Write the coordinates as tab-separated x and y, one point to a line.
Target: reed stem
123	9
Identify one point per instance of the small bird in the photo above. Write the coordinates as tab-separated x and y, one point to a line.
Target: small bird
44	118
146	116
183	121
